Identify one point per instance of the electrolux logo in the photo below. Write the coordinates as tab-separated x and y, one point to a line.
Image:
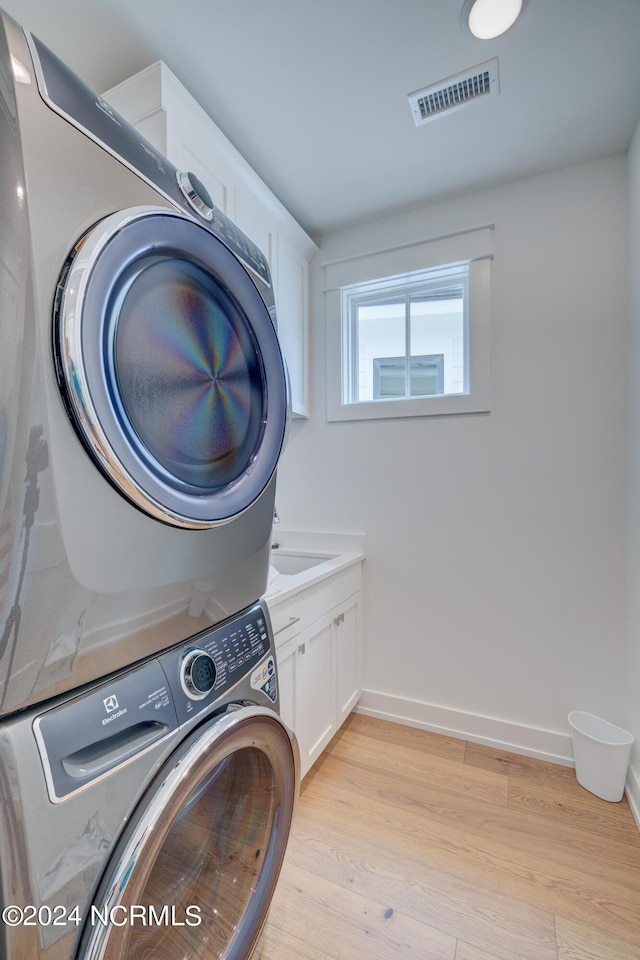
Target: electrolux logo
107	109
112	707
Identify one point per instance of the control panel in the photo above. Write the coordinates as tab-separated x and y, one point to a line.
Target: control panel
96	732
207	669
65	93
195	193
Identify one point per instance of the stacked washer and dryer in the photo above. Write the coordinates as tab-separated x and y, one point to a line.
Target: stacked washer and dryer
147	782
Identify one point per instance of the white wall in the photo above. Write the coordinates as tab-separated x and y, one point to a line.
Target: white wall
496	543
633	583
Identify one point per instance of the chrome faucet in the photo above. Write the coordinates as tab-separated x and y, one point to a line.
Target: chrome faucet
276	519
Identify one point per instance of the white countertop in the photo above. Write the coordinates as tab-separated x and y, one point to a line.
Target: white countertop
340	550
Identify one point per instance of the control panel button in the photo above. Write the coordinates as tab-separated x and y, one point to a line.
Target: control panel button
197	674
195	193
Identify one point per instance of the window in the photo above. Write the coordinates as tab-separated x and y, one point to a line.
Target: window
404	337
412	343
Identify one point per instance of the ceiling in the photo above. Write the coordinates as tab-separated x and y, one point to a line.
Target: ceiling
314	92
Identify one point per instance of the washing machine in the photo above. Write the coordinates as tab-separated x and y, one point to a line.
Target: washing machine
143	410
148	815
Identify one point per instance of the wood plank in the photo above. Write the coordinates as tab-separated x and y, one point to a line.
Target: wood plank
317	911
401	735
492	758
281	944
428	770
553	791
579	941
566	803
402	875
467	951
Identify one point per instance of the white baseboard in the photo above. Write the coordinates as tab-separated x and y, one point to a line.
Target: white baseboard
517	738
549	745
632	790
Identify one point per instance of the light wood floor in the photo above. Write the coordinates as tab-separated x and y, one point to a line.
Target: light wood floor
409	844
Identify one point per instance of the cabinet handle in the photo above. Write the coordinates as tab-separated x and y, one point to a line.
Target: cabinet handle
302	648
339	619
292	620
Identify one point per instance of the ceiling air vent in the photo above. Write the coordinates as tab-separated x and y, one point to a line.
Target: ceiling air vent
454	92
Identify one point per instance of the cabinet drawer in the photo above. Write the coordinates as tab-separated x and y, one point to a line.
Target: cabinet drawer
290	616
287	619
315	601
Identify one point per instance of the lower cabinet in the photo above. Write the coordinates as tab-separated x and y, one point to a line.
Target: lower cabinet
348	658
319	674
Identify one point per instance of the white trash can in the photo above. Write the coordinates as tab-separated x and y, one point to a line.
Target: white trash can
601	753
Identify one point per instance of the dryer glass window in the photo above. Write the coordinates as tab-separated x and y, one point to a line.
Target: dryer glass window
190	384
170	367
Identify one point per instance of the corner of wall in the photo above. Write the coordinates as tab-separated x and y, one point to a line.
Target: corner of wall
633	474
632	790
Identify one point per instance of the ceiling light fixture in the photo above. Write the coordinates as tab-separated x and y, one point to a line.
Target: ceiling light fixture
487	19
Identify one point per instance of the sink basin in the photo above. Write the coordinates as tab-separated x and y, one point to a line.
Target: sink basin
289	564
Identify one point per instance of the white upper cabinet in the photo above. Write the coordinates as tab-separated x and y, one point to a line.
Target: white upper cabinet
164	112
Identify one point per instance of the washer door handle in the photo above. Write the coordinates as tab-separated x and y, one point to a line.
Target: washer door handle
92	760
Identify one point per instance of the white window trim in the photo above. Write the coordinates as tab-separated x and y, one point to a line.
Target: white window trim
473	247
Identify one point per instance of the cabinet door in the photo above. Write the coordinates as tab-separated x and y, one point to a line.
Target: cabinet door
348	657
287	660
315	690
255	220
292	305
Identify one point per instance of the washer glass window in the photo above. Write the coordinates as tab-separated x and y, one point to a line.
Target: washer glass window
194	874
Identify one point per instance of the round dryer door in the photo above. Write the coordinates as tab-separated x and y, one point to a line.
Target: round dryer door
170	367
195	871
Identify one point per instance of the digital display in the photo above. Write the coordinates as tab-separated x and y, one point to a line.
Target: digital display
203	673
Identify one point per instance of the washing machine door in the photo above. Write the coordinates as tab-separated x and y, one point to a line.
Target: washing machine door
170	366
195	871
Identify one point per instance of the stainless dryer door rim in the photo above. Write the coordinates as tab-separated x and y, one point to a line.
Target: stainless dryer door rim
196	442
244	877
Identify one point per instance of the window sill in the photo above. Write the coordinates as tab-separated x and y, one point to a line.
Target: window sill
452	405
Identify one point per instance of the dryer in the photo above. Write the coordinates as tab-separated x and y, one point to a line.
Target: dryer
143	394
